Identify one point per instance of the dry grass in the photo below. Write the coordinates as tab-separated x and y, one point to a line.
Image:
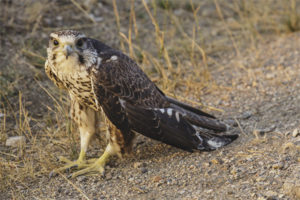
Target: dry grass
178	56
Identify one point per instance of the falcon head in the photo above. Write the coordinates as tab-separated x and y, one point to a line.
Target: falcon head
71	48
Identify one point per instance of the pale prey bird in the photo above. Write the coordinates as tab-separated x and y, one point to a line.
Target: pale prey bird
100	79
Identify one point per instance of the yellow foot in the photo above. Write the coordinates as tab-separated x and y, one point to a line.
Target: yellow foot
79	164
96	167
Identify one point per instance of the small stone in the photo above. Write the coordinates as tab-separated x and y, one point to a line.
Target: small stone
267	130
296	132
214	161
246	115
108	176
270	76
279	165
271	194
287	133
207	164
59	18
144	170
82	178
182	192
261	198
15	141
137	165
156	179
131	179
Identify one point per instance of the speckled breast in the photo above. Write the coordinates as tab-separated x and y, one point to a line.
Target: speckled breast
80	87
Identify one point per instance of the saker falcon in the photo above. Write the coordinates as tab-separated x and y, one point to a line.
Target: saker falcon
100	79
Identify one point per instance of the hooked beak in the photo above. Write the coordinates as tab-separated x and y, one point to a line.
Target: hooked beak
68	51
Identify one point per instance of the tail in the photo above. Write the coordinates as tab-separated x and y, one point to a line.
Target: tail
198	117
179	125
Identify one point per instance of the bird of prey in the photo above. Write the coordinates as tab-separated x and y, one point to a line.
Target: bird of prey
100	79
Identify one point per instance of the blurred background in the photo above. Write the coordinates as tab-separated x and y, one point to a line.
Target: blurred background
191	49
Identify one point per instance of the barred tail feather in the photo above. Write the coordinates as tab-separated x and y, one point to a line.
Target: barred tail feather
211	142
171	127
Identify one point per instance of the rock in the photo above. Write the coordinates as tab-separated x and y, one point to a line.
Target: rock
215	161
246	115
267	130
296	132
279	165
108	176
131	179
287	133
261	198
271	194
137	165
156	179
15	141
144	170
81	178
182	192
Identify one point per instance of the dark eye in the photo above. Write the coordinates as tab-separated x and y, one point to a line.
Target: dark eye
55	42
79	43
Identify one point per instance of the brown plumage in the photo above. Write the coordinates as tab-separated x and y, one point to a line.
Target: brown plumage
99	78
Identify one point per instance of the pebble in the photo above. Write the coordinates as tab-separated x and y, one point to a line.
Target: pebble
214	161
271	194
279	165
156	179
261	132
296	132
287	133
131	179
182	192
108	176
82	178
144	170
267	130
246	115
137	165
15	141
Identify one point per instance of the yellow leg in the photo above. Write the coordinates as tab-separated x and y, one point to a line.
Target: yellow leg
96	167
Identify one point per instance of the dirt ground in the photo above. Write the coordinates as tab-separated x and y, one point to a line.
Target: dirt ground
239	60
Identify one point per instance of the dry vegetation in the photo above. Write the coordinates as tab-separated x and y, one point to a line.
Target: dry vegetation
180	45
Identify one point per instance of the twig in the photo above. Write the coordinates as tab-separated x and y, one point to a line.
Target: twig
117	16
239	125
82	10
8	154
50	95
226	27
32	54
